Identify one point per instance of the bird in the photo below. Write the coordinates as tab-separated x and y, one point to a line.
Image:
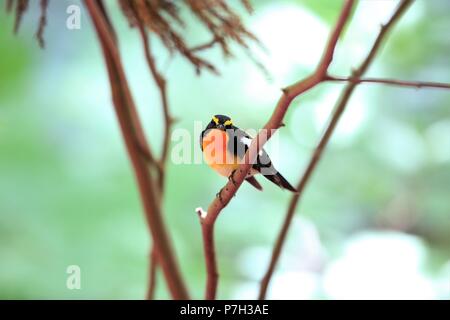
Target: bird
224	146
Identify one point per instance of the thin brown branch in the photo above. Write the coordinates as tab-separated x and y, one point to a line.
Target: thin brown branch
160	165
342	103
160	82
102	8
393	82
290	93
9	5
162	87
42	23
134	137
152	275
21	7
206	45
153	163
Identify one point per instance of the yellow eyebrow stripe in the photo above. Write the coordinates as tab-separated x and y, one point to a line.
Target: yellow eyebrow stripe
228	123
216	120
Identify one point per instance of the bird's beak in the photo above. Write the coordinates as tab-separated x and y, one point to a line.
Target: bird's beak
220	127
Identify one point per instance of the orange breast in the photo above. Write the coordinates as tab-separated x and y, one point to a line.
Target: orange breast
215	146
216	153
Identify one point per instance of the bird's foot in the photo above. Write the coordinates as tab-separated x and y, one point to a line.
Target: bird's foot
231	177
219	195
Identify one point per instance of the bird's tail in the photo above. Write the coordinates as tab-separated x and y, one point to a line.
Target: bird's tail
280	181
254	183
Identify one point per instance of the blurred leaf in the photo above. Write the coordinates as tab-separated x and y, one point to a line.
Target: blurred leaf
327	10
15	56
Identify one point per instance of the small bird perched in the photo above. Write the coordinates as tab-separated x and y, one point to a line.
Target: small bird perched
224	147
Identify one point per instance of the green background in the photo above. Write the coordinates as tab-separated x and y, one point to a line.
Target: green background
373	223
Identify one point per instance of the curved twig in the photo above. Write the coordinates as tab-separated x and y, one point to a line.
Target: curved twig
42	23
206	45
160	165
323	142
393	82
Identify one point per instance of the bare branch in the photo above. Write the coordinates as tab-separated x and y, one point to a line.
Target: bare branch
206	45
9	4
21	7
152	275
133	135
162	87
272	125
42	23
160	165
223	23
393	82
322	144
210	253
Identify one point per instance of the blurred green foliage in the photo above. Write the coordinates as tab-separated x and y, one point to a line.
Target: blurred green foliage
67	192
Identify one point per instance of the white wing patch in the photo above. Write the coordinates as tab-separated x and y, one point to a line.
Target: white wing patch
248	142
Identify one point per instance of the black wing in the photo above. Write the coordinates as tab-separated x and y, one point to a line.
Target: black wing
239	144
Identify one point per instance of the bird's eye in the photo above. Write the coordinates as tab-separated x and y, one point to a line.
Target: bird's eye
216	120
228	123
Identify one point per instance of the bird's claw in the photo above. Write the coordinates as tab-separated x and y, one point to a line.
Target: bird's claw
231	177
219	195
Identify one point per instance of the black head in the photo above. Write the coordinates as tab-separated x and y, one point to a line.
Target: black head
220	122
